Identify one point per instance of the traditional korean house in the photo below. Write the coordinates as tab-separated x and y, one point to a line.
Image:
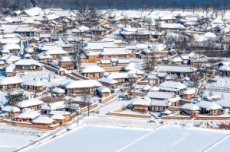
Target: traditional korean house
171	86
210	108
98	30
56	53
180	70
35	86
25	31
10	83
43	57
159	105
47	108
67	62
141	104
28	64
82	87
122	77
92	72
31	103
189	94
60	93
27	116
108	82
103	91
13	48
191	109
10	70
11	111
67	46
43	122
67	115
114	52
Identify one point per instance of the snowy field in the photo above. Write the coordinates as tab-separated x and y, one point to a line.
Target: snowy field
12	138
176	139
95	139
222	146
163	139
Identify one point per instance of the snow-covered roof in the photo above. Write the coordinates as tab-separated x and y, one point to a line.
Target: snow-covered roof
190	91
58	90
54	106
154	88
35	11
10	80
66	59
103	89
171	26
160	95
99	45
64	113
174	99
208	105
34	83
82	84
58	117
92	69
172	86
43	120
108	80
28	114
141	101
190	106
10	40
117	75
11	46
10	109
174	68
163	103
114	51
29	103
10	58
27	62
51	16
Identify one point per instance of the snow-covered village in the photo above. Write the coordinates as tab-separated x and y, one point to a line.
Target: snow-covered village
85	79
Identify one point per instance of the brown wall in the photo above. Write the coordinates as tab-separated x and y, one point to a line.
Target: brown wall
129	115
109	98
85	109
177	117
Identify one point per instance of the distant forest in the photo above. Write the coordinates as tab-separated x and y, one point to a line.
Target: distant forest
118	4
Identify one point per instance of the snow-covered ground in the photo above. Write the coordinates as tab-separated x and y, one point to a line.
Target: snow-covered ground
222	146
176	139
119	122
91	138
11	138
163	139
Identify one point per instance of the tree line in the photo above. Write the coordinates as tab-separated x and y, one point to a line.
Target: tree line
118	4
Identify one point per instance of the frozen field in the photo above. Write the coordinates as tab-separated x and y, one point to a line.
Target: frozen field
11	138
164	139
95	139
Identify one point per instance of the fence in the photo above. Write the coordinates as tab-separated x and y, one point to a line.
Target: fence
109	98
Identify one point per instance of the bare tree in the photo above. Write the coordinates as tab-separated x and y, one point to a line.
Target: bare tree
183	5
174	4
86	99
110	3
194	5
